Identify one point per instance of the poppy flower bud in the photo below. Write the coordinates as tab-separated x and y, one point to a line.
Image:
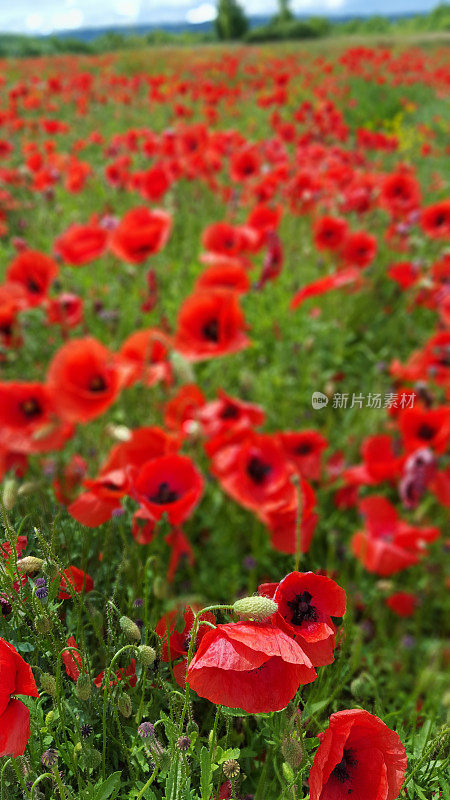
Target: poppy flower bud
28	488
182	369
29	564
231	768
124	705
292	750
258	608
48	684
9	494
130	629
146	655
160	588
83	687
90	758
42	625
49	718
50	569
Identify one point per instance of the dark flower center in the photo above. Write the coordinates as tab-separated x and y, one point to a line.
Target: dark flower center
439	220
97	384
426	432
211	330
343	771
229	412
33	286
164	495
257	470
302	610
6	329
31	408
303	449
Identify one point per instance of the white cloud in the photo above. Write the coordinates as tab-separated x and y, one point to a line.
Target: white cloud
69	19
204	13
127	8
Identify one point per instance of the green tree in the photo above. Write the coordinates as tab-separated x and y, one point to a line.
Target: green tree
231	22
284	14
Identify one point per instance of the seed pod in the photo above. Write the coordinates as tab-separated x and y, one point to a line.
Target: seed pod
48	684
231	768
83	687
292	750
124	705
146	655
42	624
258	608
130	629
50	569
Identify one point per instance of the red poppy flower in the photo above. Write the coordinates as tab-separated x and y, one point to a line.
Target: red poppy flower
6	548
154	182
304	449
358	756
400	193
227	276
29	421
244	164
81	244
425	428
180	640
223	238
77	579
227	413
141	233
182	410
343	277
329	233
359	249
283	521
84	378
248	665
65	310
35	272
402	603
210	324
16	677
103	498
143	444
72	660
306	603
405	274
13	298
380	463
435	220
146	355
125	674
255	472
387	544
169	485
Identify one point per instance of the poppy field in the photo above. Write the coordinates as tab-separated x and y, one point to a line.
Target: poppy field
224	424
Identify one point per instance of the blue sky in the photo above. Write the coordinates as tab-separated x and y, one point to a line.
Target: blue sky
45	16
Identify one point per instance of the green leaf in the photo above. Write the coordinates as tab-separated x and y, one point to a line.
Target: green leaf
205	774
106	788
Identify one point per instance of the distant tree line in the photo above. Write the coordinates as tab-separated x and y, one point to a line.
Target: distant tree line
230	24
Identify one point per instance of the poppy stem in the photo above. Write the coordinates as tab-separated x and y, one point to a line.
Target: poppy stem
105	697
298	522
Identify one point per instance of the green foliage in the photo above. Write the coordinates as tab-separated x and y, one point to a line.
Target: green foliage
231	22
